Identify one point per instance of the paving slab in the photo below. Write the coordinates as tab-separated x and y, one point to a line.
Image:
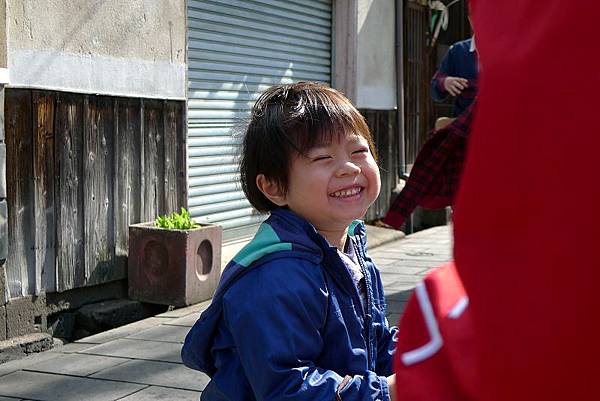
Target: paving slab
395	307
415	245
391	280
139	349
401	263
163	374
167	333
393	287
405	275
51	387
394	277
402	256
120	332
394	319
401	295
378	236
154	393
77	364
389	265
187	321
74	347
395	315
399	288
197	308
31	360
408	257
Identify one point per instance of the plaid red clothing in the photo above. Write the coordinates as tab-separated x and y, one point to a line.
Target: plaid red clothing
435	175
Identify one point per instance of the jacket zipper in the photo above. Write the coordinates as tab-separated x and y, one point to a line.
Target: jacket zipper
369	306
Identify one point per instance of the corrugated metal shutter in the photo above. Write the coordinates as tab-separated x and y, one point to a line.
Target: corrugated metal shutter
237	49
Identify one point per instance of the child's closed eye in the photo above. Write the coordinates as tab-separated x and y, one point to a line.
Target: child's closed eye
361	150
320	157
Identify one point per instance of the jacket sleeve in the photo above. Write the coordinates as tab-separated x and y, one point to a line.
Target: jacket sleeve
275	317
438	93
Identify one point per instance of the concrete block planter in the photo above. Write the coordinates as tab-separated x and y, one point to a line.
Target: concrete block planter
173	267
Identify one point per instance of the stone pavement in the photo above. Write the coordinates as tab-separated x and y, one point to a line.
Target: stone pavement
141	361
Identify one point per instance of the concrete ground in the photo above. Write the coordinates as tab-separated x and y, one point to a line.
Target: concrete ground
140	361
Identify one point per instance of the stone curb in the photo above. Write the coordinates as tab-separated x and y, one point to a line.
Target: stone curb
19	347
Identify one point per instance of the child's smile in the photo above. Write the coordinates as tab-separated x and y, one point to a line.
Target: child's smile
347	193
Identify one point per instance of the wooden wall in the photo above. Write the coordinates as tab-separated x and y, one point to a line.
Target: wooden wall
418	70
383	125
80	169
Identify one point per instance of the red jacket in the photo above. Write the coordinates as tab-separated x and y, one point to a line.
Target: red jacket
526	219
434	356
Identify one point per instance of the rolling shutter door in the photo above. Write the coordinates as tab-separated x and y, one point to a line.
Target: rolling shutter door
236	50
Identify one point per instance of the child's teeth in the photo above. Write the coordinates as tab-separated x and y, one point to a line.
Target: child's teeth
347	192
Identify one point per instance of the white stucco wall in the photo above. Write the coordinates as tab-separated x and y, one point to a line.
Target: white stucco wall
2	34
376	65
130	48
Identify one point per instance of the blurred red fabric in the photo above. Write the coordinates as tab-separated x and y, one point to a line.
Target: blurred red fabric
527	212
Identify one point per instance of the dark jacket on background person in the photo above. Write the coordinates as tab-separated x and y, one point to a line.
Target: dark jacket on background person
460	61
286	322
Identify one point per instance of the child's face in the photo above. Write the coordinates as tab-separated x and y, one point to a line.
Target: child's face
333	184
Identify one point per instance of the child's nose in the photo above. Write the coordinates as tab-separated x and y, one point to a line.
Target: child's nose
348	168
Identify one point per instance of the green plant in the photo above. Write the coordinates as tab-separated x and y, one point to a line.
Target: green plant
176	221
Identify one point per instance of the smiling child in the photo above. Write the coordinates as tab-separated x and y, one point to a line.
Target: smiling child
299	313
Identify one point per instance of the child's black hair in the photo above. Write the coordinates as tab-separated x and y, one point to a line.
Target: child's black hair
292	119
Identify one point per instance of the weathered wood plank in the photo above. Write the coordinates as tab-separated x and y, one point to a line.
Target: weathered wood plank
387	150
179	126
153	155
43	185
20	264
170	157
70	263
127	181
98	136
142	163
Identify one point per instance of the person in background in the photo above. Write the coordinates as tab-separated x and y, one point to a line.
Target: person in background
457	76
435	176
299	313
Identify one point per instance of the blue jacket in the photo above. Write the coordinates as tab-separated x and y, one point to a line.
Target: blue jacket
286	322
458	62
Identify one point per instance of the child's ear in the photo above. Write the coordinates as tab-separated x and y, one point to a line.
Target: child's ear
271	190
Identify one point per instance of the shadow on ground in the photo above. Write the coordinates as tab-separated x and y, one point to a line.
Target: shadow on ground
396	302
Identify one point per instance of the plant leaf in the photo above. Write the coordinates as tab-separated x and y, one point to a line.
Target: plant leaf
176	221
